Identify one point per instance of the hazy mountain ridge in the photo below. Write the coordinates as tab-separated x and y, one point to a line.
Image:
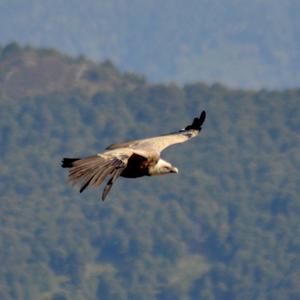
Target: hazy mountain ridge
226	228
28	72
253	44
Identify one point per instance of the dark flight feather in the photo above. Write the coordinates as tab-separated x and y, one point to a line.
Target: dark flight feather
197	122
111	181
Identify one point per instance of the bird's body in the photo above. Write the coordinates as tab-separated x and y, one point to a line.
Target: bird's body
131	159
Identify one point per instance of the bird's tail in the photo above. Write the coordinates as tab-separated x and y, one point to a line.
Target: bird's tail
68	162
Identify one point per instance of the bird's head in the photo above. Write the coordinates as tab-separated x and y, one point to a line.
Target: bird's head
172	169
163	167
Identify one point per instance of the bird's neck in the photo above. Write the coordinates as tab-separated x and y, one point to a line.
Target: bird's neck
158	168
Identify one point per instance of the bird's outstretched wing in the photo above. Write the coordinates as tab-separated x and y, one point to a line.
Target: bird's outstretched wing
159	143
92	171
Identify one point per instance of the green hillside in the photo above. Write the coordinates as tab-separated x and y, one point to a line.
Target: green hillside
227	227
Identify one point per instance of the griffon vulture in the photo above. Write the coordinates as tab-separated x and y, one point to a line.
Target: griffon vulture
132	159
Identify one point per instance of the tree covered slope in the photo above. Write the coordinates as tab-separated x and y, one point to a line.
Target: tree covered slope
227	227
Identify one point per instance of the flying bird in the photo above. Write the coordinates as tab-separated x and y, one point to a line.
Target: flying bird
131	159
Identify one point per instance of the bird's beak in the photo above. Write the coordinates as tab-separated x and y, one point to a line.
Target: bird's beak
174	170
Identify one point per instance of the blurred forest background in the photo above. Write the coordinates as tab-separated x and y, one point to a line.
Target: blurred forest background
252	44
227	227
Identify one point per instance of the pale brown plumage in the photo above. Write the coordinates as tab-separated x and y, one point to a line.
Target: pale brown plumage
131	159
